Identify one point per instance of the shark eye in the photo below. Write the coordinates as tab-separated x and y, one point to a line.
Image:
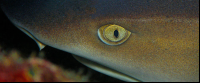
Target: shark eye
113	34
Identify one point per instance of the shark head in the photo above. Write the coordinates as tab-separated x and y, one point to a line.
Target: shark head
128	39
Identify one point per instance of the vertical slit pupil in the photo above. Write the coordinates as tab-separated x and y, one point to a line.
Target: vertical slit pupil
116	33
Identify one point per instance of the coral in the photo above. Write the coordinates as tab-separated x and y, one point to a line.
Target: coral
14	68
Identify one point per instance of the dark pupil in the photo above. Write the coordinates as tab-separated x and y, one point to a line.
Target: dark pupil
116	33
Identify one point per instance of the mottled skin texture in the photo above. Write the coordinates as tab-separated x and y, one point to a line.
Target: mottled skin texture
163	46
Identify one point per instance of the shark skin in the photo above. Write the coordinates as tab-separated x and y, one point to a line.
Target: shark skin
164	40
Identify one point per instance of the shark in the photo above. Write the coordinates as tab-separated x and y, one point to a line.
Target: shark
132	40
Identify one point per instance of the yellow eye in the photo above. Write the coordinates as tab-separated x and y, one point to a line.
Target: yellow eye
113	34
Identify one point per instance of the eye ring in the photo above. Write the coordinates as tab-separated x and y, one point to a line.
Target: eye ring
107	34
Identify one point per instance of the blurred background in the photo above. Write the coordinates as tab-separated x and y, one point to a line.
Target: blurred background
17	50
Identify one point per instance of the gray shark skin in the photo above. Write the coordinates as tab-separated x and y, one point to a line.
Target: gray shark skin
163	45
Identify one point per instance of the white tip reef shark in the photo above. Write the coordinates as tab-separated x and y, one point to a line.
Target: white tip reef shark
132	40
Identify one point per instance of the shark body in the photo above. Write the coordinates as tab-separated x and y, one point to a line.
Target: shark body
164	40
